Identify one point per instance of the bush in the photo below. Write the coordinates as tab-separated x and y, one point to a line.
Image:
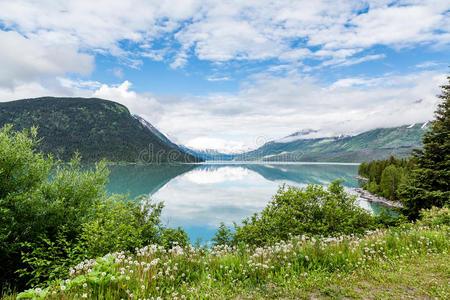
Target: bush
312	210
435	216
372	187
120	225
223	236
389	218
53	215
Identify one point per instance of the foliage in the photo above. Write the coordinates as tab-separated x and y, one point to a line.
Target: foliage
391	177
224	272
386	176
430	179
435	216
223	236
120	225
312	210
98	129
54	215
374	144
168	237
388	218
22	216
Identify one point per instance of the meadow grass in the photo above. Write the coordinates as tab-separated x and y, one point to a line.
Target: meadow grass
302	267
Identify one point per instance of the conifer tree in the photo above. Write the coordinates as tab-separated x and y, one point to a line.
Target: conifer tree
430	179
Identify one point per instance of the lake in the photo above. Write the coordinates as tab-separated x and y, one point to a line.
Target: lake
198	197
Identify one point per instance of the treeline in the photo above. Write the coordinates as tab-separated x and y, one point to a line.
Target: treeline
97	129
384	177
422	181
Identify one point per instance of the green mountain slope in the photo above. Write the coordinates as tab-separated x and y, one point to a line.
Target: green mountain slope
374	144
96	128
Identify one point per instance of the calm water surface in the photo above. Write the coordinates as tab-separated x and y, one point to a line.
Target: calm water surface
199	197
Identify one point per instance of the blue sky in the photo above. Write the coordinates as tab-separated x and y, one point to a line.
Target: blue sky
231	74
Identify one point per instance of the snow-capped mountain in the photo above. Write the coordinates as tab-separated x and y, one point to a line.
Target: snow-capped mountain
155	131
313	145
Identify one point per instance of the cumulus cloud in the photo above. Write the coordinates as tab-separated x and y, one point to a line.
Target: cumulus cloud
47	42
268	108
27	59
222	31
273	107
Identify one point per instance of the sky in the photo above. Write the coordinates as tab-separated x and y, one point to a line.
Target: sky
231	75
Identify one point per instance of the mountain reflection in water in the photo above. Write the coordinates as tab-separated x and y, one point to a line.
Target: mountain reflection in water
200	197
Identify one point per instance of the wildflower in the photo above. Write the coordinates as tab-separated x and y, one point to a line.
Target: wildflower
84	295
84	284
63	288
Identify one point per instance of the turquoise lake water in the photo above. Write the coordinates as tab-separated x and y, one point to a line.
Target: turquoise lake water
198	197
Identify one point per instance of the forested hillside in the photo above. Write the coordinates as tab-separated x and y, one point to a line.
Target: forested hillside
379	143
97	129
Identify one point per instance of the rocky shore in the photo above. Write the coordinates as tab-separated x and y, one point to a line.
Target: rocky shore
377	199
361	178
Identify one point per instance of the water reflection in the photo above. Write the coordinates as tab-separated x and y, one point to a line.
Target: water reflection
199	197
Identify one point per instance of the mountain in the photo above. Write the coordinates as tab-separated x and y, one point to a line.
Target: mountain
374	144
204	154
208	154
96	128
155	131
302	134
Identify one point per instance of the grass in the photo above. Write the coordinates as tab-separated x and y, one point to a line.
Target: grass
409	261
415	277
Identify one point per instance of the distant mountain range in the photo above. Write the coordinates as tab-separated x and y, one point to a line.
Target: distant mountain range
208	154
96	128
374	144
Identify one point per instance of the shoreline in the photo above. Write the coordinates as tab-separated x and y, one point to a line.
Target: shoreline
366	195
361	178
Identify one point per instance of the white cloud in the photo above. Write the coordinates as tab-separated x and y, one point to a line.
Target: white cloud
268	108
218	78
427	65
231	30
26	60
273	107
44	43
222	145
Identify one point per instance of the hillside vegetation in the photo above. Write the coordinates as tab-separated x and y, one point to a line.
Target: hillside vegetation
379	143
97	129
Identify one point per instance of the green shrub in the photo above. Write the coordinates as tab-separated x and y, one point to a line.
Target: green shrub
53	215
311	210
435	216
168	237
223	236
120	225
372	187
389	218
